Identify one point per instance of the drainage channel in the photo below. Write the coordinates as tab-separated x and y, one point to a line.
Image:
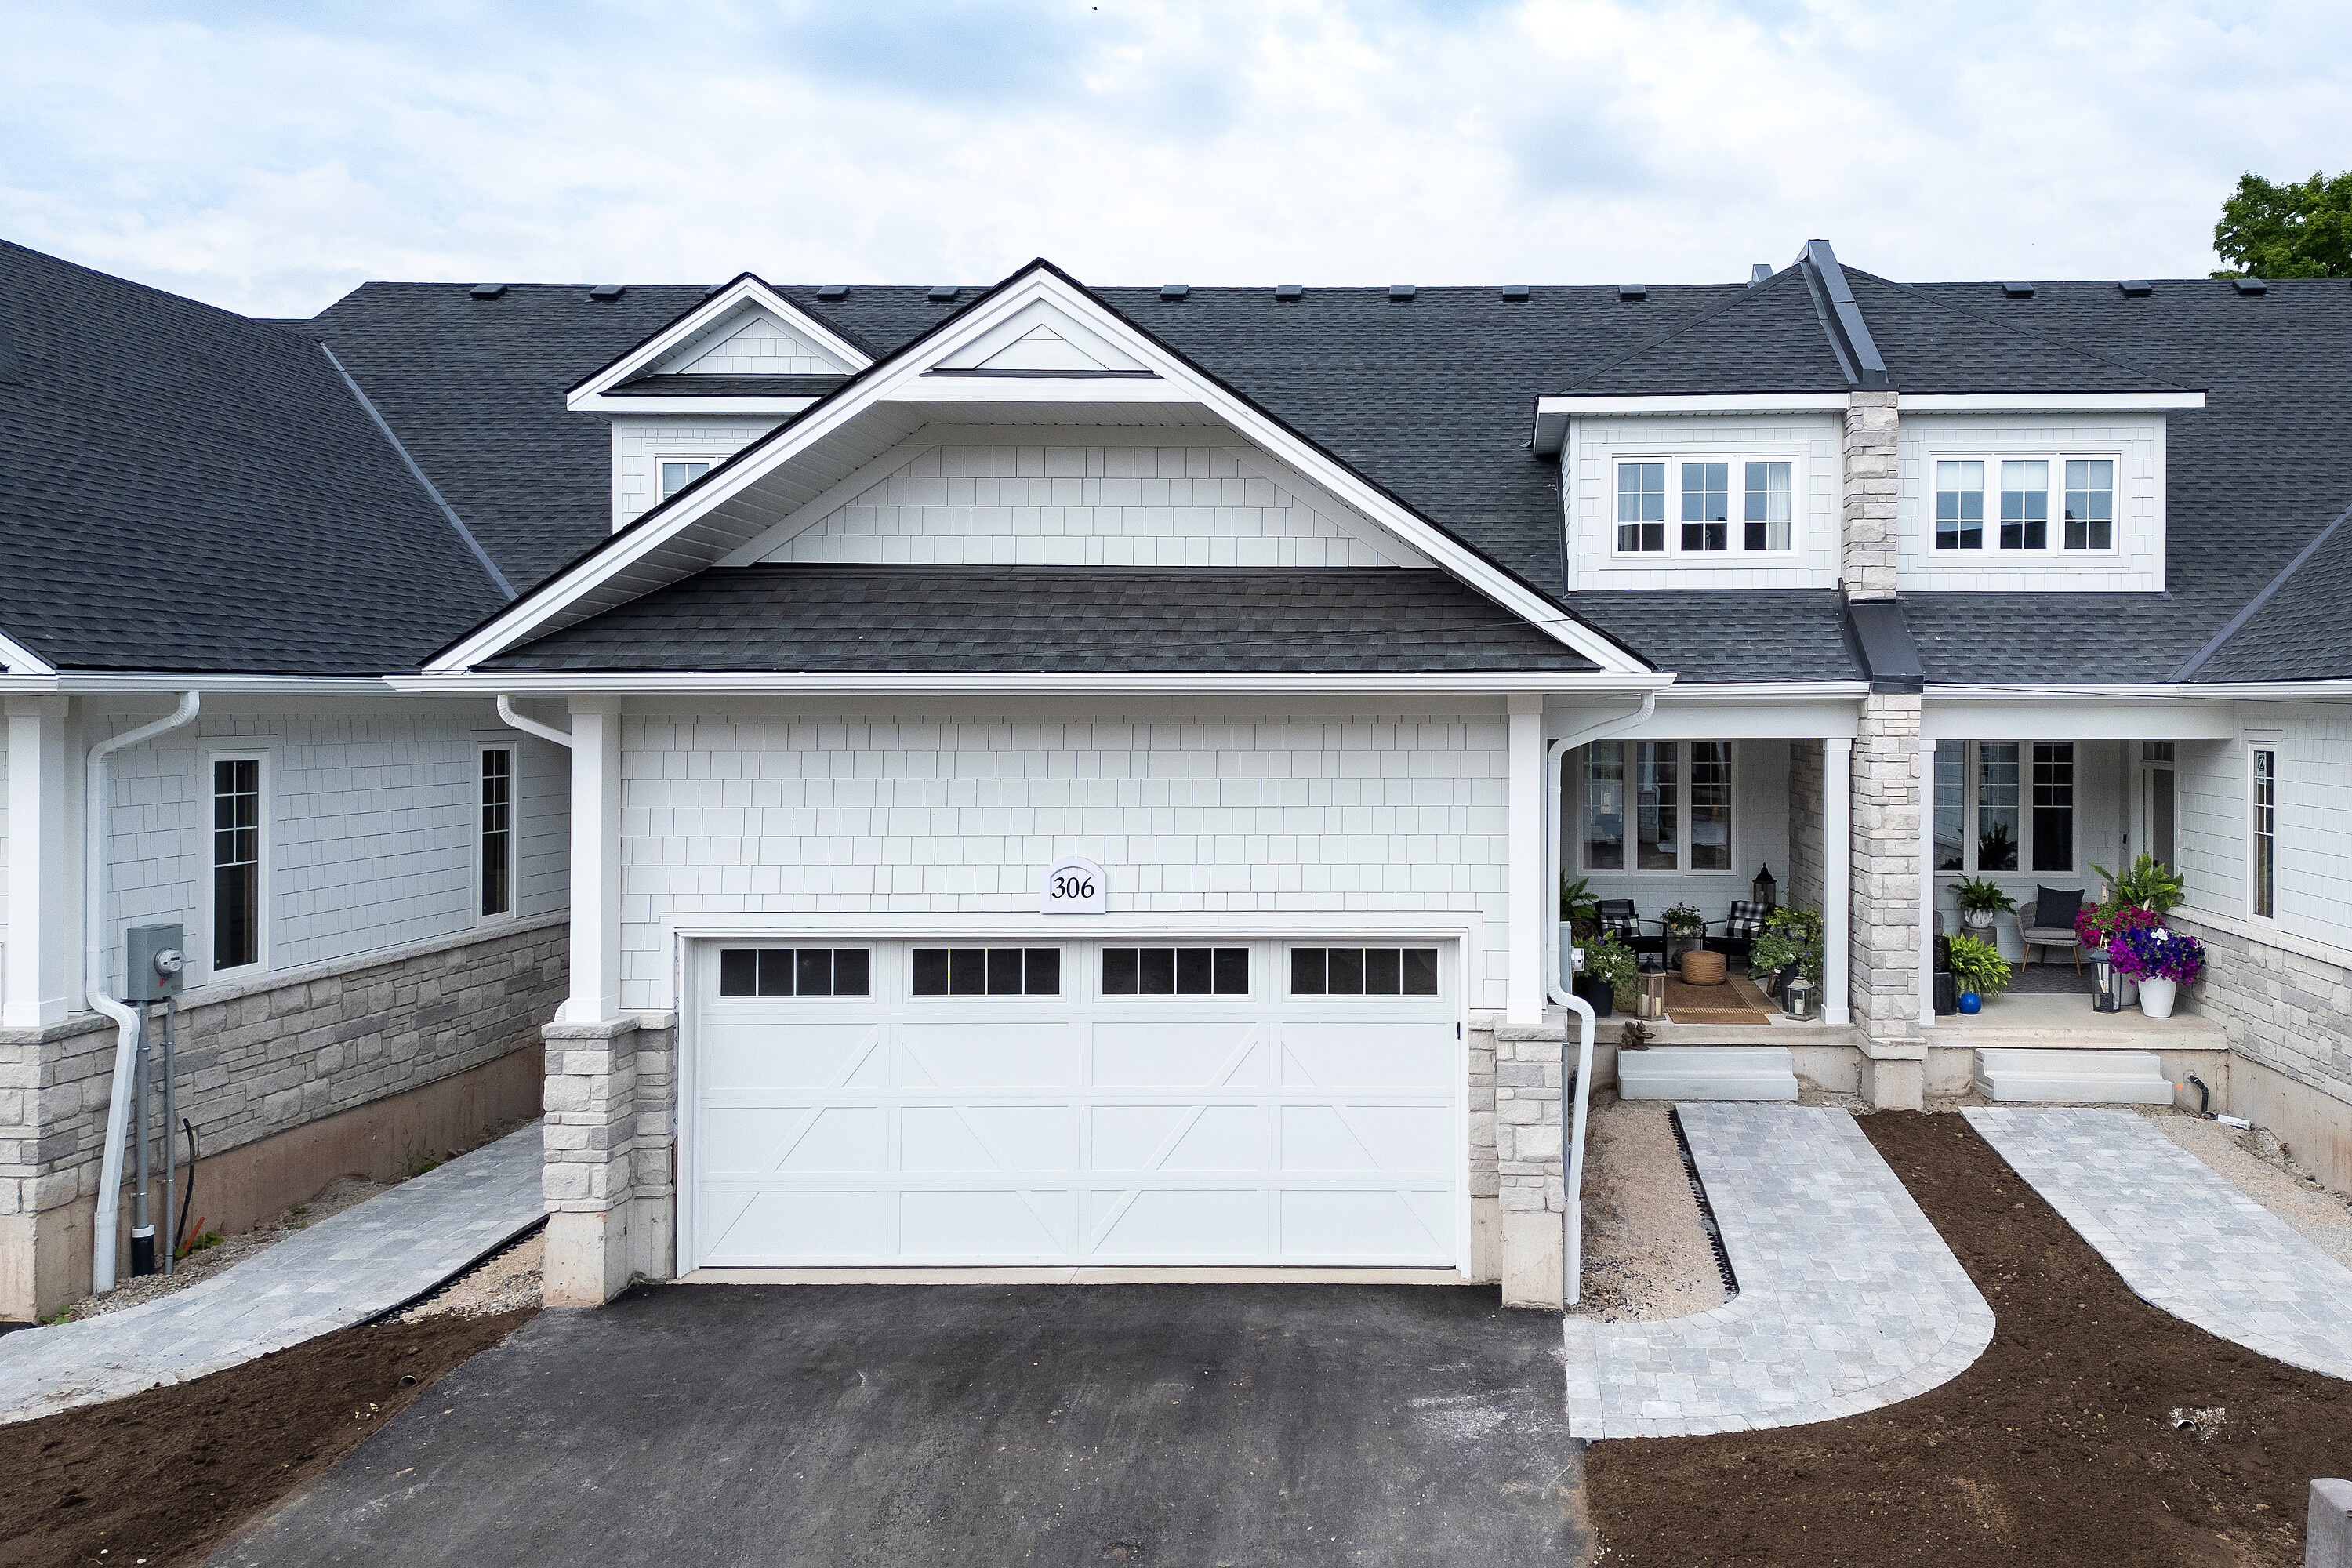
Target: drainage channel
1706	1209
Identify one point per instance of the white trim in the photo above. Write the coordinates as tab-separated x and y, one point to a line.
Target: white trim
903	380
20	660
786	406
482	749
703	455
2049	401
1735	552
747	290
2265	925
2054	551
264	911
163	681
1682	867
1081	685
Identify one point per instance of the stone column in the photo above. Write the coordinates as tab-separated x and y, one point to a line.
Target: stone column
1866	510
590	1132
1529	1155
1885	913
1805	824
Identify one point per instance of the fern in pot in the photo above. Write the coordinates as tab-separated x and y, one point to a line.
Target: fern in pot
1980	898
1978	970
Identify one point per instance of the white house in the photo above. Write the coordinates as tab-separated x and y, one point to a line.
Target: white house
1070	780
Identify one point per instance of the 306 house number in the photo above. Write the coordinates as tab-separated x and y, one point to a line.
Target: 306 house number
1073	886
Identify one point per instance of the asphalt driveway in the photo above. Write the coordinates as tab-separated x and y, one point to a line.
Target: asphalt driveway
1065	1424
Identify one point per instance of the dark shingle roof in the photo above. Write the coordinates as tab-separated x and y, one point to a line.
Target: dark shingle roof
1759	339
1719	635
1061	620
2304	630
187	489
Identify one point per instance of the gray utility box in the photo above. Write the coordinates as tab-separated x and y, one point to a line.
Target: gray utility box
151	963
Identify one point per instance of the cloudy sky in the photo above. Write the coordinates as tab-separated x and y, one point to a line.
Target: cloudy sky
266	157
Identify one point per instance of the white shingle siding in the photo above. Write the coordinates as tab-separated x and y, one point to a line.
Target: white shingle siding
1589	471
369	828
1031	505
2209	823
761	346
641	441
2135	565
933	813
2312	879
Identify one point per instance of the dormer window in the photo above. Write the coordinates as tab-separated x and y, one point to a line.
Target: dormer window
677	473
2088	500
1706	492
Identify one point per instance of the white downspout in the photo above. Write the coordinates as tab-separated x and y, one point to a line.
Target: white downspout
1601	730
531	726
93	906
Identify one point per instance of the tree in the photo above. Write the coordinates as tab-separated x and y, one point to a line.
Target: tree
2286	231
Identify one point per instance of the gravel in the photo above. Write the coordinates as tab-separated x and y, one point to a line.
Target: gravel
1646	1256
507	1282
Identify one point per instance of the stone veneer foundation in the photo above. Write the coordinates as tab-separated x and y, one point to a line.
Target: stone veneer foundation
266	1061
2288	1018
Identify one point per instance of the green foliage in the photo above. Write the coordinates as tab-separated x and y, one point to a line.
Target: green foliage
2294	230
207	1242
1685	920
2150	884
1787	935
1980	896
1578	902
1996	848
1611	959
1976	965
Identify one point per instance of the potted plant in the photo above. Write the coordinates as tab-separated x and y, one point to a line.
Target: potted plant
2161	961
1791	941
2150	884
1980	899
1609	976
1682	924
1978	969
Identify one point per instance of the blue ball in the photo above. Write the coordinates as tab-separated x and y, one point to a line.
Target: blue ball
1971	1003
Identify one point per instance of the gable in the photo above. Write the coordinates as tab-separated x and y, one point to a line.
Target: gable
760	345
1040	337
1176	496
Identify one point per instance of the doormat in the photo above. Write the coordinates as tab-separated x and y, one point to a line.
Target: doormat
1735	1001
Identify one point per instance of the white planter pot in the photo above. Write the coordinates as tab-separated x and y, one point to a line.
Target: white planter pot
2155	996
1977	920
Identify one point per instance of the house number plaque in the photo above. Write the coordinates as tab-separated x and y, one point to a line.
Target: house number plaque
1072	885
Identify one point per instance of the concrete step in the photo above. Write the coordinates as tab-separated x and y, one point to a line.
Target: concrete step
1707	1072
2073	1078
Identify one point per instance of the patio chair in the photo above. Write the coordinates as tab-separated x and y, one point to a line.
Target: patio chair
1620	920
2035	931
1745	924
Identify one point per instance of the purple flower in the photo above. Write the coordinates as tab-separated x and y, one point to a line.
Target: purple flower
2152	953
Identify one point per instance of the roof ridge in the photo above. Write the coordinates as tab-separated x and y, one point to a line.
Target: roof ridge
1750	296
237	316
2021	333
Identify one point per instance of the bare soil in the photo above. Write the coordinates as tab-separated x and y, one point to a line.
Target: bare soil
1645	1253
162	1477
2094	1431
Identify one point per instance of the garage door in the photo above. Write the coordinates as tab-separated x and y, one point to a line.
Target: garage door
1075	1103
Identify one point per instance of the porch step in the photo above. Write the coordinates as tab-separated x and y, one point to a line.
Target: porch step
2073	1078
1707	1072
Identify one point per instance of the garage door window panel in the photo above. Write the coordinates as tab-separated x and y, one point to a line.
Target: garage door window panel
1363	972
987	972
1175	972
795	971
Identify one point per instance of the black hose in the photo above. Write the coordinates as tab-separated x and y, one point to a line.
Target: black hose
2204	1098
179	1232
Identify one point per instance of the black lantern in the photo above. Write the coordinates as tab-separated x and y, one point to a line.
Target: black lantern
1765	888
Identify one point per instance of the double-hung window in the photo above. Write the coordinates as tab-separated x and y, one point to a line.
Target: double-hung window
497	829
2022	497
236	893
1707	495
2004	806
1671	798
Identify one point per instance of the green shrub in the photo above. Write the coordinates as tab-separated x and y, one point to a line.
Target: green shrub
1978	966
1788	934
1611	959
1982	896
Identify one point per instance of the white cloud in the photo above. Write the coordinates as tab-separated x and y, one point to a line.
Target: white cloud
267	159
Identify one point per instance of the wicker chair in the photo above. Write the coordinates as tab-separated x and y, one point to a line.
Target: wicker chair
2035	934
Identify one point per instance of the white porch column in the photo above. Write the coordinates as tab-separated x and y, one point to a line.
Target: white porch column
595	995
1837	874
42	935
1523	994
1926	883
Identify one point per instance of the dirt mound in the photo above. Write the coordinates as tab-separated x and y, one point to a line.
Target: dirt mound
2094	1431
165	1476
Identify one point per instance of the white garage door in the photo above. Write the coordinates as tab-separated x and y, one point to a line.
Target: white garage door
1025	1102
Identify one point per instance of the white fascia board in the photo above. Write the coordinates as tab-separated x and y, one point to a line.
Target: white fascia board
163	681
16	660
605	404
662	345
1079	388
922	684
2048	402
903	381
1553	413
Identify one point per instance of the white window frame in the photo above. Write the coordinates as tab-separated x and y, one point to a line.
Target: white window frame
481	860
659	458
2054	548
2269	747
207	912
1682	866
1969	773
1737	551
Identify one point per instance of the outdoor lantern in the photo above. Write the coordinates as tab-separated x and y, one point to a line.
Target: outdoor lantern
2106	985
1654	996
1798	1000
1764	888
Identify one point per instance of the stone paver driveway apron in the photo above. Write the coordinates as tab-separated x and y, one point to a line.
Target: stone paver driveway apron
1848	1298
2183	1238
347	1267
838	1424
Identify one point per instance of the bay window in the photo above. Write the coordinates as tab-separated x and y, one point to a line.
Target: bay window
2004	806
1705	491
1671	798
2088	504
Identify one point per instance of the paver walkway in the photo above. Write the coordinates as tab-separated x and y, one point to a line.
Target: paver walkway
2181	1235
1848	1298
347	1267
